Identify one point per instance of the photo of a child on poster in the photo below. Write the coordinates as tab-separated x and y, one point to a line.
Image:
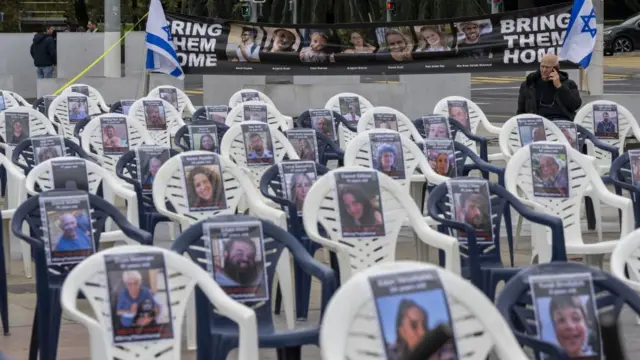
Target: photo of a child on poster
605	121
237	259
66	221
305	143
472	205
436	127
409	305
531	130
550	170
566	314
385	121
387	155
360	204
297	177
441	155
138	297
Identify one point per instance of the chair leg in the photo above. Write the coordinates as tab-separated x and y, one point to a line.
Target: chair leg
591	219
55	324
35	333
191	323
518	230
509	226
6	241
4	297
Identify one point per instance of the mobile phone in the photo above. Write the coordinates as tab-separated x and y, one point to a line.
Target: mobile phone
556	68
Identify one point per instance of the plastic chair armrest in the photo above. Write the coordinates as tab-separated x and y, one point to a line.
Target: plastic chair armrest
492	129
448	243
327	243
613	179
495	157
320	271
264	211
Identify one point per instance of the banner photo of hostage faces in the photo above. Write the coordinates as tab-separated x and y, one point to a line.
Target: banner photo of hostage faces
497	42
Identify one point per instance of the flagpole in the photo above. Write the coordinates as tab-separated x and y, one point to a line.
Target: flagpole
147	81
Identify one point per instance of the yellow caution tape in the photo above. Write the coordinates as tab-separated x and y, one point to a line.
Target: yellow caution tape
70	82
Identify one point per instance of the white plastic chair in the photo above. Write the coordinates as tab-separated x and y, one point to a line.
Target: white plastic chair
38	125
168	187
476	117
9	100
350	327
40	179
274	118
405	125
583	180
15	195
91	139
94	94
184	103
236	99
174	120
232	146
627	126
356	254
18	98
509	136
59	113
89	277
333	104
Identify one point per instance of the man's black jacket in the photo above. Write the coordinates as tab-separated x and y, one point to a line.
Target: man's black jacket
567	96
43	50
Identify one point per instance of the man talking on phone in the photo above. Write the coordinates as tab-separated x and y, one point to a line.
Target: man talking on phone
549	92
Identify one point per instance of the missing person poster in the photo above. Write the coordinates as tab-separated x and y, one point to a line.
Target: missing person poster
387	155
47	147
436	127
409	305
78	108
323	122
258	144
70	174
385	121
566	314
82	89
217	114
138	293
250	96
255	113
459	111
359	203
170	95
305	143
149	160
47	103
3	105
472	205
236	259
634	165
66	223
350	109
531	130
115	135
203	137
441	155
16	127
605	121
155	116
296	178
203	182
570	131
550	171
126	105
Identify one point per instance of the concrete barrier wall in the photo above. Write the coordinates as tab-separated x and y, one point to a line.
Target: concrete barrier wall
16	63
76	51
112	89
135	53
415	95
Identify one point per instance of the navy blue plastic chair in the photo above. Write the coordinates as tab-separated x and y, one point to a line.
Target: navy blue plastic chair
22	155
46	322
201	113
304	121
620	177
182	138
4	293
217	336
116	108
127	170
454	127
271	188
39	105
515	302
327	149
482	264
464	167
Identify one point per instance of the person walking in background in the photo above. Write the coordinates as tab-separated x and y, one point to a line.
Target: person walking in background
43	52
549	92
92	27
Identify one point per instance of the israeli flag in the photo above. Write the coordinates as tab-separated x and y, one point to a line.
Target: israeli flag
161	54
581	34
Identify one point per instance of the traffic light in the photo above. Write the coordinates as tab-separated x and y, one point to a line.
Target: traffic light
391	6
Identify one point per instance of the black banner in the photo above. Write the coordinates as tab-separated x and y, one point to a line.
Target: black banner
499	42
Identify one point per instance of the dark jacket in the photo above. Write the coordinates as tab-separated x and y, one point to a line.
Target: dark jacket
43	50
567	96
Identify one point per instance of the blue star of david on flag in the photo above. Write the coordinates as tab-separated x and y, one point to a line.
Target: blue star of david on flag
161	53
168	31
587	27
